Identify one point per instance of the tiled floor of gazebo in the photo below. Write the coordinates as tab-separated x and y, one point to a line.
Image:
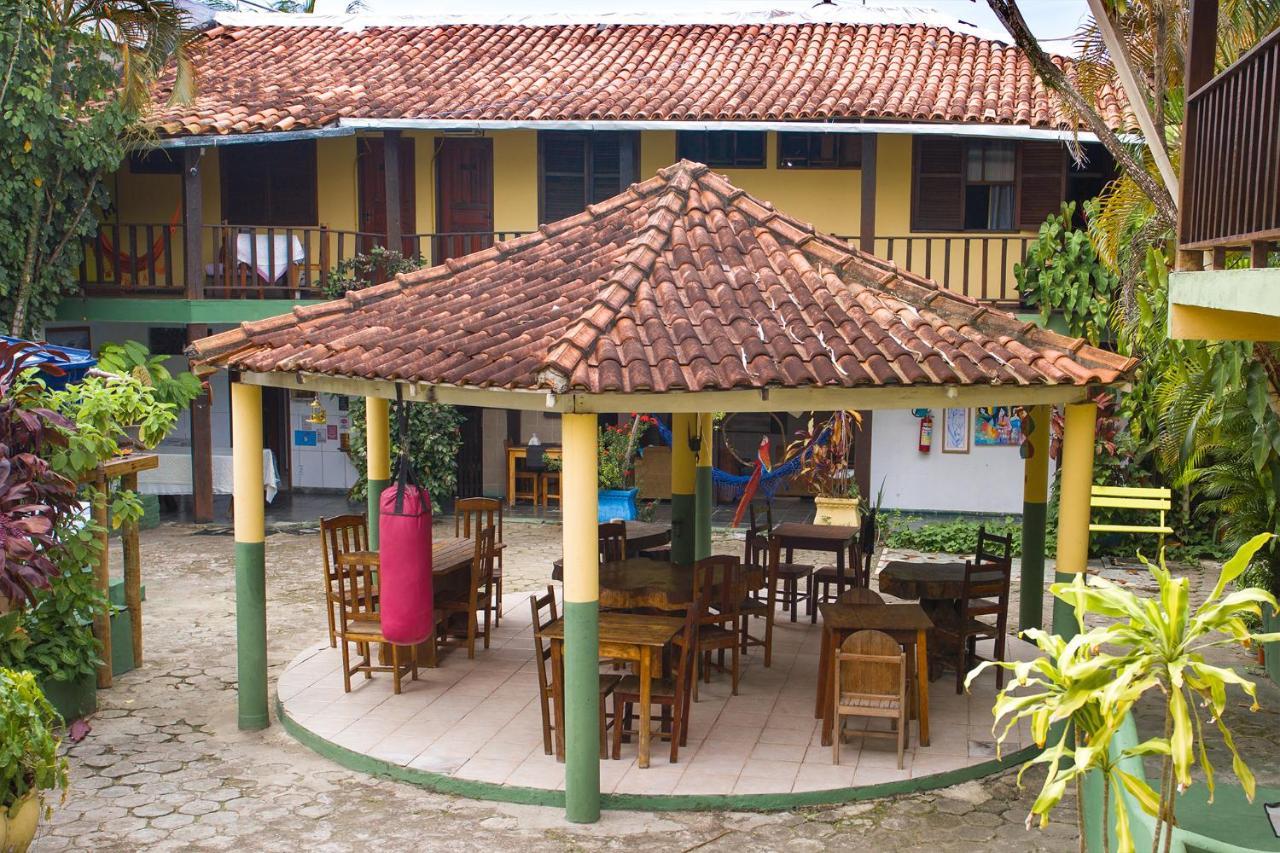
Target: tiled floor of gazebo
479	720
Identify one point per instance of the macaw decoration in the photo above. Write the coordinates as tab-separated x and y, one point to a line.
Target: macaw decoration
757	471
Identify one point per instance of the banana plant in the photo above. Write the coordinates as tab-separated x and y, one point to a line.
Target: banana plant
1090	683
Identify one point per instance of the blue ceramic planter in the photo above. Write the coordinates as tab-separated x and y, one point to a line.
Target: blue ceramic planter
617	503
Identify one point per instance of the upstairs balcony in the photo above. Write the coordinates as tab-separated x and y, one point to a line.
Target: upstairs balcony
277	262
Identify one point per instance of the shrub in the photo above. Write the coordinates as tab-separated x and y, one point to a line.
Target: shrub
29	759
948	537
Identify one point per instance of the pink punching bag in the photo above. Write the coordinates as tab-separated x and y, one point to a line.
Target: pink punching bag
404	576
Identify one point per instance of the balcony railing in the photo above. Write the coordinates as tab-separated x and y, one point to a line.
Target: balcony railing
238	262
277	262
1231	156
979	266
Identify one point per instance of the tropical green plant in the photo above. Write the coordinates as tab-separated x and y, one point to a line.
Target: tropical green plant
434	439
133	359
29	759
1146	645
365	268
614	447
74	79
1062	273
947	537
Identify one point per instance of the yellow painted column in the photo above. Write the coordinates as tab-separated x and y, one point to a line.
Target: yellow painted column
683	488
702	490
580	534
377	457
1035	497
250	535
1075	481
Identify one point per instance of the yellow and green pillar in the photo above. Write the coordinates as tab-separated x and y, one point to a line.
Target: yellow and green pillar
1035	499
702	490
377	458
581	617
683	488
251	576
1075	481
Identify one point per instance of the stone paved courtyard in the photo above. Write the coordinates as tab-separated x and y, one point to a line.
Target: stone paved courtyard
165	767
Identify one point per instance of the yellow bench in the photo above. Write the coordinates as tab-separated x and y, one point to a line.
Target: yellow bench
1132	497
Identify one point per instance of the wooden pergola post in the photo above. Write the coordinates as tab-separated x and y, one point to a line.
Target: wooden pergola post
377	426
581	618
1035	498
683	488
1075	478
250	532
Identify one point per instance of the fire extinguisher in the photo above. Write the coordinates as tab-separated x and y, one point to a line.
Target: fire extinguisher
926	433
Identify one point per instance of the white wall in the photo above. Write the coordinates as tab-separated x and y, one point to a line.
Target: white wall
324	465
986	479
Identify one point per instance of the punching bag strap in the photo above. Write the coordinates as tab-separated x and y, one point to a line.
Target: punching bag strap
404	465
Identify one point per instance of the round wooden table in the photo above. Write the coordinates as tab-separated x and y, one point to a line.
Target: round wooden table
643	535
638	582
923	581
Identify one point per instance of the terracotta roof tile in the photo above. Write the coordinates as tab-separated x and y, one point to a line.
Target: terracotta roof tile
638	294
273	78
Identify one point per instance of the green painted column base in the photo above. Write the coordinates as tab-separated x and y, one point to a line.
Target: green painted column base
702	514
1031	597
581	711
683	525
251	634
1064	615
375	492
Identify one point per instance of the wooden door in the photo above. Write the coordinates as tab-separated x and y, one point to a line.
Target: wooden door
464	197
276	433
372	189
470	453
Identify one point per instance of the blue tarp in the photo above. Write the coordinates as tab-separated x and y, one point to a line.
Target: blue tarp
75	362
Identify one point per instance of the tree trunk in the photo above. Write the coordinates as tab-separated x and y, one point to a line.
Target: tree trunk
26	280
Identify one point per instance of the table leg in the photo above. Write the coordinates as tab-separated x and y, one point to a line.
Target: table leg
824	664
839	572
511	481
832	643
557	690
922	685
646	696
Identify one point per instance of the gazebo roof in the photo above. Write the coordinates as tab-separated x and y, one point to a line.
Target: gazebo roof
680	283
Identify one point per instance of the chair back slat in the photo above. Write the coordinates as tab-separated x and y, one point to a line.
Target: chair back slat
613	541
992	546
721	578
542	651
860	595
471	515
871	664
687	648
867	534
339	535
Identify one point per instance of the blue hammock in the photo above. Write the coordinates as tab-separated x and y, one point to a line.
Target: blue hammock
769	481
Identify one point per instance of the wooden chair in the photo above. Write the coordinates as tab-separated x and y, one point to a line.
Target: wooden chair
546	685
470	516
343	534
858	574
359	625
671	694
550	487
860	595
985	593
479	588
719	579
613	541
789	574
871	681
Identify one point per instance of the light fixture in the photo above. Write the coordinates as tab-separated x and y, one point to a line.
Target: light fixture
318	413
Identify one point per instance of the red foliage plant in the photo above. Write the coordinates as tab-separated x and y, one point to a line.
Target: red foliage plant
34	499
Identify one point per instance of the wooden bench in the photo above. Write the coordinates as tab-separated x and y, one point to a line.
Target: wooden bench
1159	501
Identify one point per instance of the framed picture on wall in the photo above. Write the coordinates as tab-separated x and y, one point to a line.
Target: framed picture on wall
955	430
997	426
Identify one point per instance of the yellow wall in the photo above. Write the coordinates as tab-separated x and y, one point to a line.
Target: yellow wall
829	198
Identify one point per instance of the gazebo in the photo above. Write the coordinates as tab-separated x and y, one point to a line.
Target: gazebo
682	294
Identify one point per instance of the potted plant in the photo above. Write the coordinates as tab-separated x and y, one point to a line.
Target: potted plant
29	760
824	452
617	448
1078	695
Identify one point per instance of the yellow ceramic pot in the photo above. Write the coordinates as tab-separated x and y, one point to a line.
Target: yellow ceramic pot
837	511
18	824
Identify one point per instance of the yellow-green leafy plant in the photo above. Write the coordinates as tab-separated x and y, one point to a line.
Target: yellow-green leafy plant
1079	692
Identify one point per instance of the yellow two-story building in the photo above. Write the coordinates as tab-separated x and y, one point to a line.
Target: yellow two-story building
312	140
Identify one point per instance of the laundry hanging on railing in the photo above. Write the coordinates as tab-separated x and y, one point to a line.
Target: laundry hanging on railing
770	480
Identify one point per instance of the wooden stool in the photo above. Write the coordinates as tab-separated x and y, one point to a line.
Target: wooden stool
550	486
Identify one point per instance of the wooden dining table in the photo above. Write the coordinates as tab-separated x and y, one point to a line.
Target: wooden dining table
623	636
641	536
639	582
906	623
838	539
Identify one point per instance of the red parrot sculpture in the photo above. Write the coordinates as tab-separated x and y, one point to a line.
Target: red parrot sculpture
749	490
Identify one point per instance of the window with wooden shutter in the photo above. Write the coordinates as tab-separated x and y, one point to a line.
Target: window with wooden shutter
271	183
581	168
938	196
1042	184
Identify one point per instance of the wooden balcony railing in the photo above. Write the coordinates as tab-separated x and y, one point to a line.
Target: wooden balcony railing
979	265
1231	156
239	262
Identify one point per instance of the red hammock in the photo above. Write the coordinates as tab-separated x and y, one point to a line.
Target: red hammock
131	264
